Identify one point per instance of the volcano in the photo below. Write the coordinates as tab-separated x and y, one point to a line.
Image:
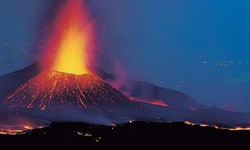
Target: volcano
65	80
134	90
66	88
58	96
52	89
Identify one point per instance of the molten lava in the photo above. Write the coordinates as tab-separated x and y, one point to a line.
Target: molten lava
16	129
154	102
52	89
217	127
67	82
71	42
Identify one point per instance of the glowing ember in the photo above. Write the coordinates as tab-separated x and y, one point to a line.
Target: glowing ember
154	102
56	89
204	125
70	44
88	134
16	129
189	123
240	128
217	127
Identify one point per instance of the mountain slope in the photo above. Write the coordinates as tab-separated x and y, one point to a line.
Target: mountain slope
53	89
147	92
9	82
90	99
135	90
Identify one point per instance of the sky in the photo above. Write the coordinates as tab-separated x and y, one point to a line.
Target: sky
201	48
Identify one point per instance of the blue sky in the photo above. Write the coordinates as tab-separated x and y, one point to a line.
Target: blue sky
201	48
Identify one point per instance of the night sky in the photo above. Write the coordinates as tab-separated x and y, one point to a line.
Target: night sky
201	48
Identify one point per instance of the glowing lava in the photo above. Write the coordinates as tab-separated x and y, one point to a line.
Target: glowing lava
67	82
217	127
71	42
52	89
16	129
154	102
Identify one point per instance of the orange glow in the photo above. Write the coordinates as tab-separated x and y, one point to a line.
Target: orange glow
154	102
204	125
15	129
189	123
217	127
28	127
240	128
53	89
88	134
2	132
71	42
69	58
79	133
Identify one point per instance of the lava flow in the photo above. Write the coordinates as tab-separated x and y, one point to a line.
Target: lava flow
16	129
154	102
217	127
53	89
67	82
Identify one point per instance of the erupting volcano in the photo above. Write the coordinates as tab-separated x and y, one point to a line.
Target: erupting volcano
65	80
69	47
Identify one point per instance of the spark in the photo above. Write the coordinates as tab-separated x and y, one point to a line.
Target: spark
88	134
70	44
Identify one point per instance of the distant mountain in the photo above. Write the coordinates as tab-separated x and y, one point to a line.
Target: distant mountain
148	92
9	82
135	90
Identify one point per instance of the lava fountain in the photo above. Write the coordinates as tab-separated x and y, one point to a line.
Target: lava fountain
70	44
67	82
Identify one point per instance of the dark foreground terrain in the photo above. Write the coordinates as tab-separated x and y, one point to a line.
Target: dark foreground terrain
140	133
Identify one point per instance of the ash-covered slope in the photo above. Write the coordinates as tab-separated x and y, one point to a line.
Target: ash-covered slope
147	92
53	89
9	82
